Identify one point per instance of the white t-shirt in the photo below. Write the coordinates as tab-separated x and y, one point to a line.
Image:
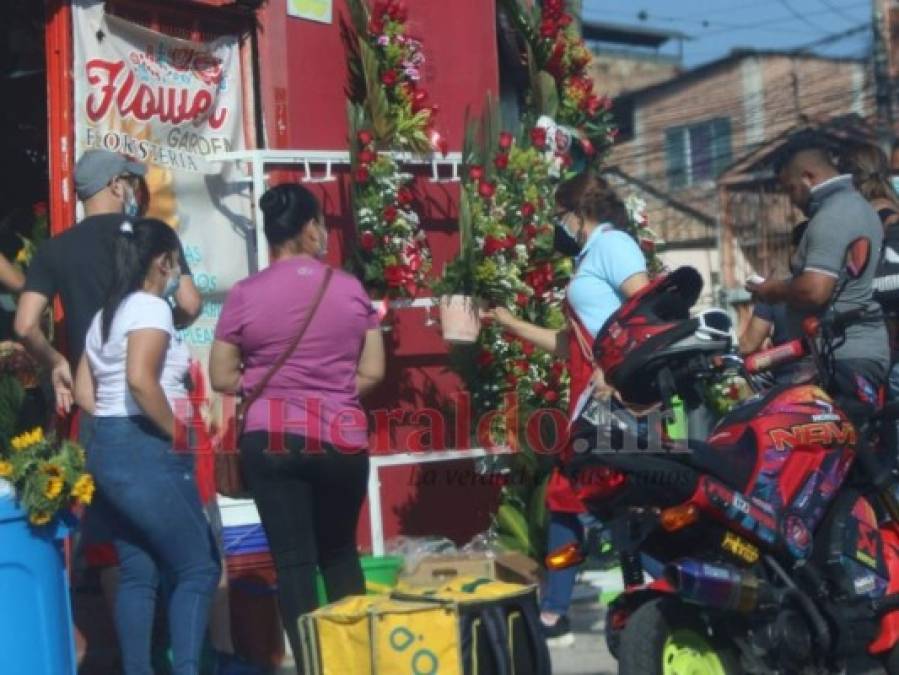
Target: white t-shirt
108	361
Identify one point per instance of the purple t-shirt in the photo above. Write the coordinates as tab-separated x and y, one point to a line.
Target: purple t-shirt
314	393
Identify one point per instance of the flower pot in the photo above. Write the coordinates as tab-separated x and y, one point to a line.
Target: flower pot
459	319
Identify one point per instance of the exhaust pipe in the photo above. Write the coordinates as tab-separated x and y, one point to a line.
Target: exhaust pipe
719	586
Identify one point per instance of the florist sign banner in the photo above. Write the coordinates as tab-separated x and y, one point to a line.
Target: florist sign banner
170	103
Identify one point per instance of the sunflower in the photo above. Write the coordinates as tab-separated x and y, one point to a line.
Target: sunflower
84	487
28	439
39	518
5	469
54	488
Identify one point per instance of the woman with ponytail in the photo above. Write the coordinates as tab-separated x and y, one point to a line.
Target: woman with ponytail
301	342
131	374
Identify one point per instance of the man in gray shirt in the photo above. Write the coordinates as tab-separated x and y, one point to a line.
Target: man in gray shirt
839	216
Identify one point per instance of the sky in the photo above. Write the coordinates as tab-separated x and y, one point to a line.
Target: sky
718	26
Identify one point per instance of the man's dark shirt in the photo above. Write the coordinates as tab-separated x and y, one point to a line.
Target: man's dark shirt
78	264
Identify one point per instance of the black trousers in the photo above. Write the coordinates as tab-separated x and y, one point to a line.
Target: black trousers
309	504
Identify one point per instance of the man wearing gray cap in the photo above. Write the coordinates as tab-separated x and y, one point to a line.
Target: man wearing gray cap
77	265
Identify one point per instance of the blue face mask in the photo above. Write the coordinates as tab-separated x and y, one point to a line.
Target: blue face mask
132	208
895	181
172	283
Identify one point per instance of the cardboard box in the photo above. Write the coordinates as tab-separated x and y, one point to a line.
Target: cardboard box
435	570
510	567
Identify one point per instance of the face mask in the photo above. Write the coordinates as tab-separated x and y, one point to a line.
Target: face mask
564	240
323	243
172	282
895	182
132	208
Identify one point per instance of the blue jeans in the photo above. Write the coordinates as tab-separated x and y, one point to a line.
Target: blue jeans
564	528
159	530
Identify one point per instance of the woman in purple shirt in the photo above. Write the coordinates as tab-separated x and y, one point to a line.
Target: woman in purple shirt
303	450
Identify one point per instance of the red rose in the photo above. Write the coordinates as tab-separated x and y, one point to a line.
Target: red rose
367	241
527	348
530	231
547	28
511	241
527	210
553	7
565	20
486	189
485	358
587	145
364	137
505	140
398	12
522	365
501	162
39	209
591	104
362	174
512	381
394	275
367	157
538	137
389	213
539	388
493	245
389	77
557	369
551	396
521	299
405	196
476	173
414	262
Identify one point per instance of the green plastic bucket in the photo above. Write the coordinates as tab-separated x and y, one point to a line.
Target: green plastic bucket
381	574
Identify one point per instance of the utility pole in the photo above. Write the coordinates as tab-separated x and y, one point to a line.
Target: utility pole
883	81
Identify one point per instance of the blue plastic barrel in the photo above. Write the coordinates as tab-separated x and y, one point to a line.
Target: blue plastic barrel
36	635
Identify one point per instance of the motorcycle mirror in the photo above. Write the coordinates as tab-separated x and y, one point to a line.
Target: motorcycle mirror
564	557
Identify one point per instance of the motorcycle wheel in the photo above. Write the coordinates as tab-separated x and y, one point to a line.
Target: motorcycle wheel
664	637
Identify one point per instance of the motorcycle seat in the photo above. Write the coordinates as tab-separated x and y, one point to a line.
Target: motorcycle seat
732	464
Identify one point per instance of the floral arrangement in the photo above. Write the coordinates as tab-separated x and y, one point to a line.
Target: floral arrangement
388	110
507	258
386	66
639	229
561	87
392	253
48	476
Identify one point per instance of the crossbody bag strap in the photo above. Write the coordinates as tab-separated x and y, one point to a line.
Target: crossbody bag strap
263	383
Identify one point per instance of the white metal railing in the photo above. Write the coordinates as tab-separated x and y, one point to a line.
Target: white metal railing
318	167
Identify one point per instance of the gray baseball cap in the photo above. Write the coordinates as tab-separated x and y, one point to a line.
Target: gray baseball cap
96	168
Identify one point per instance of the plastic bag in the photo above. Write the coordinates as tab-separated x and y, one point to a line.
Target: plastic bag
414	549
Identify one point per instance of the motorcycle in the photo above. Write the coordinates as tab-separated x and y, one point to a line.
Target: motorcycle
775	541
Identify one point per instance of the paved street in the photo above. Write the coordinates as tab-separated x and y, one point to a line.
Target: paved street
588	655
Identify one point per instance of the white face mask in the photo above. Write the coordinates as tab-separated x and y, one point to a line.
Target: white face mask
323	242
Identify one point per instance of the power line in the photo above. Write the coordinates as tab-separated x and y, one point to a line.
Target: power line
839	12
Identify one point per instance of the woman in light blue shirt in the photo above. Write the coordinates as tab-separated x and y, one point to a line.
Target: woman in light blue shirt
609	268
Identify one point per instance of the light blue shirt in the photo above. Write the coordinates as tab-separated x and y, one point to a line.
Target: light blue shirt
609	258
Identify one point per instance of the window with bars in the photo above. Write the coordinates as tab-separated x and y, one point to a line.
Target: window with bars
697	153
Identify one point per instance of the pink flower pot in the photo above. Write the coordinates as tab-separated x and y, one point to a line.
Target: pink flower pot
459	319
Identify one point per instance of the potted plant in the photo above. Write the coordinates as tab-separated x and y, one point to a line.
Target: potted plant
459	309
